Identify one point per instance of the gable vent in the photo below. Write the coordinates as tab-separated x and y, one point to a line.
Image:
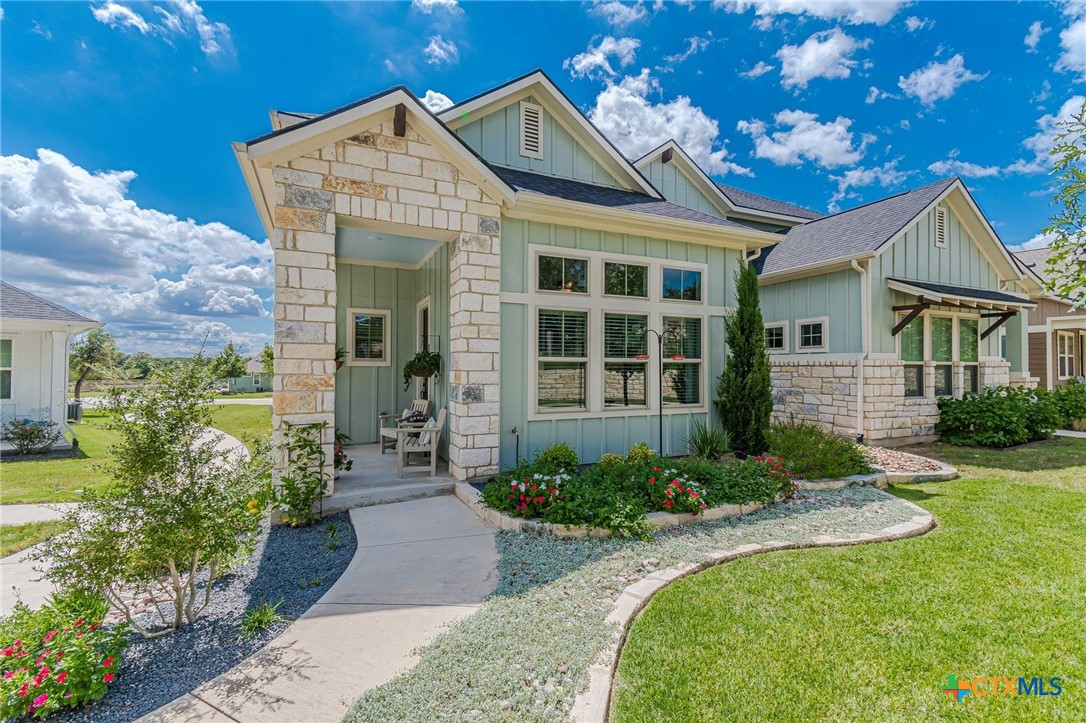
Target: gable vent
940	227
531	130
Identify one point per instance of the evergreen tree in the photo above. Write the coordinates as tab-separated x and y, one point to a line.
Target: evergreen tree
744	395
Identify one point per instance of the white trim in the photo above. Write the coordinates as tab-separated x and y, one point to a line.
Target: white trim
560	253
424	304
682	266
940	227
825	321
1060	355
783	326
386	360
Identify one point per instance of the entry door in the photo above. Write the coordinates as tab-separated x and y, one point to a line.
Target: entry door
424	343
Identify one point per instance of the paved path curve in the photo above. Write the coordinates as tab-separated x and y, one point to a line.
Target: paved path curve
419	566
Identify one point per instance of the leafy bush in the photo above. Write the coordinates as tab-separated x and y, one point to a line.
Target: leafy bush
302	482
708	442
610	459
56	657
29	436
811	452
641	453
998	417
670	491
1071	401
262	617
558	458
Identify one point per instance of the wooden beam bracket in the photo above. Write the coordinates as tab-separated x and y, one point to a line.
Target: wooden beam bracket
914	310
1003	319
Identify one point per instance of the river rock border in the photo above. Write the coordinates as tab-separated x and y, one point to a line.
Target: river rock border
593	706
945	473
876	479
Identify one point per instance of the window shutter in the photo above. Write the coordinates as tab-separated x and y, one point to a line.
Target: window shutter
531	130
563	334
940	227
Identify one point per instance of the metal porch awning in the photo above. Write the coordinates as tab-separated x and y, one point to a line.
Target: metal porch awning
1002	306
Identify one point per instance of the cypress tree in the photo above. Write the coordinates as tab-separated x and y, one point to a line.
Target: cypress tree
744	394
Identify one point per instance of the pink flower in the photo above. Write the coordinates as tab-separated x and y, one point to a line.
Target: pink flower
9	675
40	700
24	690
512	496
62	677
52	634
108	662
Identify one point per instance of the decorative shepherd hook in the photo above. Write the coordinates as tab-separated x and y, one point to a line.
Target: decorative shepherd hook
672	334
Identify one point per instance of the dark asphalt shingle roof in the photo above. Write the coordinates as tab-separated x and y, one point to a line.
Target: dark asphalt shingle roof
966	291
757	202
18	304
850	233
581	192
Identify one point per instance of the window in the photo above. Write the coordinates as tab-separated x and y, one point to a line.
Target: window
811	334
1065	354
563	359
775	338
682	284
5	368
682	360
912	350
370	343
531	130
625	279
557	273
969	354
625	360
940	227
942	353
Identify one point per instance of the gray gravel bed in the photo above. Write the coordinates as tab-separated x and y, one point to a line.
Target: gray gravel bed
292	565
524	655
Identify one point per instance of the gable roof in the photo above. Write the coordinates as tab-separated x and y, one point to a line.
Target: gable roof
539	85
15	303
1035	260
757	202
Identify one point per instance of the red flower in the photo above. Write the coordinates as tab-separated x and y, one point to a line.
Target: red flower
62	677
108	662
40	700
52	634
652	480
79	622
108	677
512	496
24	690
668	504
8	651
9	675
655	469
60	654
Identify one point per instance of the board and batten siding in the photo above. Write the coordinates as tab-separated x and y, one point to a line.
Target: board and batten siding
364	392
835	295
496	137
593	434
915	256
679	189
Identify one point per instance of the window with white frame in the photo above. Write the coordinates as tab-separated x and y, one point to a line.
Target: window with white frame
625	360
682	360
681	284
812	334
954	342
942	353
969	353
370	329
912	353
621	279
776	338
562	348
561	273
1065	354
5	368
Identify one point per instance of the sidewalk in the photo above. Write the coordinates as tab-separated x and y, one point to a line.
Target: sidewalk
23	514
420	565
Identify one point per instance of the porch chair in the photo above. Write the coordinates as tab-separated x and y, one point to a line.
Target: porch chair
415	440
389	423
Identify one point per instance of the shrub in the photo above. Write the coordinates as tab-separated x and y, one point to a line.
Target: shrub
1071	401
708	442
558	458
811	452
641	453
759	479
29	436
998	417
302	483
670	491
262	617
340	460
55	657
610	460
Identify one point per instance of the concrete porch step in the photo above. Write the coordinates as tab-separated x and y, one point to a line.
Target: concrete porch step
383	494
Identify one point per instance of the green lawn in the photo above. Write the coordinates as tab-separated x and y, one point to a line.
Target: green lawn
871	632
15	538
247	422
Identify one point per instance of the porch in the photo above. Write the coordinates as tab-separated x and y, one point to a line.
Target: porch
373	481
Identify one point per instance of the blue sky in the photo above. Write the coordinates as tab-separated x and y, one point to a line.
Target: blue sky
121	196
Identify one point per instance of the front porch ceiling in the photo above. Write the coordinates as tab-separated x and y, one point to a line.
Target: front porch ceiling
379	247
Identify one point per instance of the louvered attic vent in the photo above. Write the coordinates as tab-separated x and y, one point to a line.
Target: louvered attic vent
940	227
531	130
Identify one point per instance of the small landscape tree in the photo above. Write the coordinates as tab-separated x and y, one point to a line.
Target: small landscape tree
94	356
744	394
267	360
228	364
1066	267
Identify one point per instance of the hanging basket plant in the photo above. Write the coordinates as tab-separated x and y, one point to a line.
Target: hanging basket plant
341	357
423	364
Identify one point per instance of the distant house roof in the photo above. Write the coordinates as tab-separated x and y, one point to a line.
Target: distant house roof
18	304
850	233
570	190
757	202
255	366
1035	260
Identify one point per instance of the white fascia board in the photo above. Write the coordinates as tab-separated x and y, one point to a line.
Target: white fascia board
14	324
937	297
249	171
820	267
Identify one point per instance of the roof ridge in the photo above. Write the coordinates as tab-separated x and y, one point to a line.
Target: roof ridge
886	198
723	186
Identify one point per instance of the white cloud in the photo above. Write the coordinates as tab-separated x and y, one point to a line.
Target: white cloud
155	279
803	138
619	14
913	23
852	12
874	94
758	70
1038	241
595	61
181	19
694	45
626	115
1041	143
441	51
428	6
886	176
905	124
436	102
1073	39
1036	30
953	166
937	81
39	30
1043	94
827	54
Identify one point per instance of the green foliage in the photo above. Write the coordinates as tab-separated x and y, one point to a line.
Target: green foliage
559	458
229	364
640	454
1066	265
95	356
340	460
811	452
609	460
58	656
998	417
260	618
423	364
708	442
1071	401
302	483
30	436
267	360
331	531
744	394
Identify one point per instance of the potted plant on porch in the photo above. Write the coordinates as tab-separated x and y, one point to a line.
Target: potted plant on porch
423	364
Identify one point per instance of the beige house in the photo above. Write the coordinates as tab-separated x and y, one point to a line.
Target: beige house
1057	331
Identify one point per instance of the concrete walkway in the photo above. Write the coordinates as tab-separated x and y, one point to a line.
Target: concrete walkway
420	566
23	514
1069	433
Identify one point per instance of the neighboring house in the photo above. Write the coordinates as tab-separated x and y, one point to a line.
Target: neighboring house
34	338
1057	331
255	380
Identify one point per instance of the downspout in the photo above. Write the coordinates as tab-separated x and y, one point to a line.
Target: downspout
64	406
865	303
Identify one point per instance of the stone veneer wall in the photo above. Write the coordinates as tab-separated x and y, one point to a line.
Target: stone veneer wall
405	180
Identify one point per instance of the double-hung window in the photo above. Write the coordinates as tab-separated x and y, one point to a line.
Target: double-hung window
561	273
912	353
5	368
681	284
969	354
625	360
682	360
562	348
1065	355
621	279
942	353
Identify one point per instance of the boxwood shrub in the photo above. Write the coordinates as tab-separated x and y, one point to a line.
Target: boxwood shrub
1071	401
998	417
811	452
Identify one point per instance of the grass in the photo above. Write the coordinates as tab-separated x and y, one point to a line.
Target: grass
871	632
247	422
15	538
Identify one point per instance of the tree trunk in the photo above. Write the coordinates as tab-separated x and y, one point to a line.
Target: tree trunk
79	382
